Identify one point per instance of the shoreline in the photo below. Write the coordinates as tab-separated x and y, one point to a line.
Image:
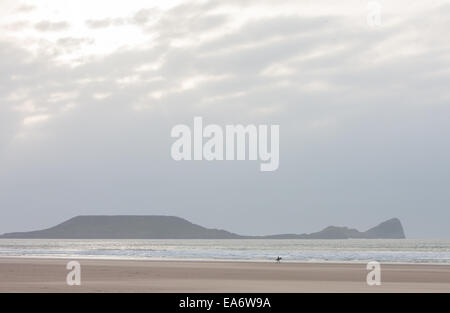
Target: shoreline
49	275
257	261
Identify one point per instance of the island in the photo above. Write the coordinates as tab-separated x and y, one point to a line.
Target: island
172	227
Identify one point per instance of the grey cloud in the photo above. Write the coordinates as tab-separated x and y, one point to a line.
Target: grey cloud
73	42
143	16
140	18
267	29
99	23
49	26
172	27
103	23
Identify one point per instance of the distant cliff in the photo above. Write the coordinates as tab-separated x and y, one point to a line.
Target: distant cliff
390	229
171	227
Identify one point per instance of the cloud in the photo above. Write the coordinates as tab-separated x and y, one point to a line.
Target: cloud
34	119
49	26
142	16
104	23
71	43
139	18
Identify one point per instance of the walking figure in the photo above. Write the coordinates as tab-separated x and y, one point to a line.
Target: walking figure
278	259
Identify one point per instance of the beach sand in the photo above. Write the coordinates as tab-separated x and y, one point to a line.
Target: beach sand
49	275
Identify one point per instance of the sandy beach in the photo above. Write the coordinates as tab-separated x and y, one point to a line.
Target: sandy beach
49	275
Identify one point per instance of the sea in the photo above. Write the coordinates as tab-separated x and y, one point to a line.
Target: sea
411	251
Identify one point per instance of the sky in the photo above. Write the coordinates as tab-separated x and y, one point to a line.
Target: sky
90	90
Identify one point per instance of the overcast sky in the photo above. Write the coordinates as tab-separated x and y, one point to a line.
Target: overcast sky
89	91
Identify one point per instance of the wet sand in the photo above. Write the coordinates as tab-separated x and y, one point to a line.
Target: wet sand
49	275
